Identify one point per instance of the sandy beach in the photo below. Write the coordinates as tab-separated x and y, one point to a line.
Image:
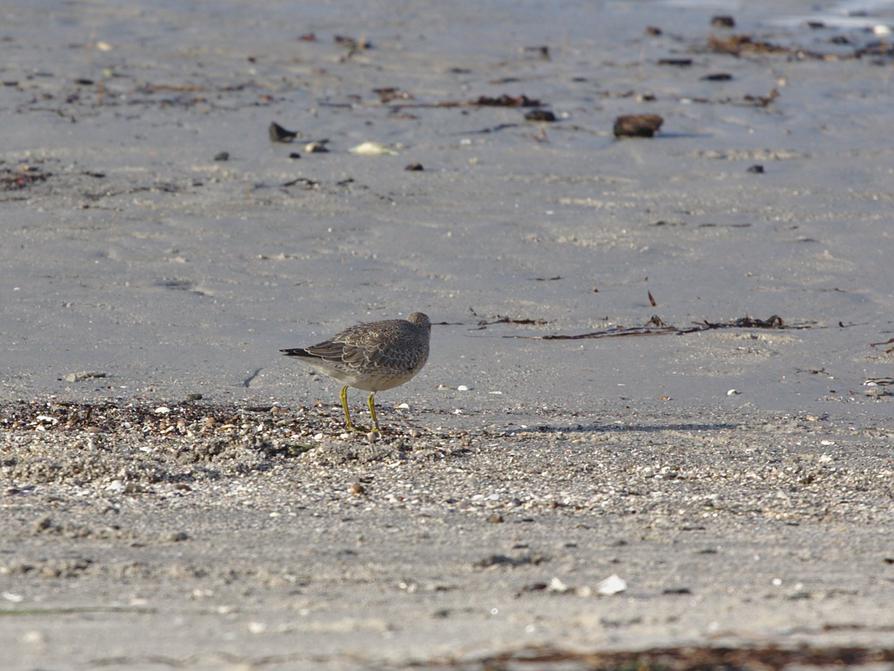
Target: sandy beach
655	427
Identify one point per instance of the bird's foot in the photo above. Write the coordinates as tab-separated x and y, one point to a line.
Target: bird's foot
353	428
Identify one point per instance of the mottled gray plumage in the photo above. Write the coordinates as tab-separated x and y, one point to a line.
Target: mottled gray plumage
373	356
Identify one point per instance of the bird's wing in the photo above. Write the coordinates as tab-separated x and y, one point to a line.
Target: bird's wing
338	352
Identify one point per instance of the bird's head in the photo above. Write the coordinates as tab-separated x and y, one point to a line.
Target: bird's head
420	319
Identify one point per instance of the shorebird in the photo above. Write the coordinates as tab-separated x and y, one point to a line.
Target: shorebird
373	356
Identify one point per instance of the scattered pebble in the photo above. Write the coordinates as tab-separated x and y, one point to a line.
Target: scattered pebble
544	116
389	93
222	156
414	167
637	125
557	586
279	134
115	487
614	584
294	156
756	169
83	375
676	62
506	100
733	392
372	149
462	387
357	489
257	627
317	147
352	43
676	591
723	21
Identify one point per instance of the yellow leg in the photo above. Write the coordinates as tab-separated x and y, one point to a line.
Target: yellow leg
372	411
344	404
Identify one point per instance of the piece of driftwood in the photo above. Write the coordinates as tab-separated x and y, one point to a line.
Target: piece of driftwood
656	326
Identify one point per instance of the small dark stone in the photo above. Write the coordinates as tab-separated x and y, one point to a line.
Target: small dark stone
542	51
352	43
222	156
723	21
678	62
677	590
279	134
414	167
317	146
717	77
84	82
294	155
193	397
496	518
540	115
637	125
654	31
756	169
815	25
506	100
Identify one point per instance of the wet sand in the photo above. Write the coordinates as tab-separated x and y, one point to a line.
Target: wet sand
192	503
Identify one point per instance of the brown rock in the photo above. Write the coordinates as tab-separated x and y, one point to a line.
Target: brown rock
637	125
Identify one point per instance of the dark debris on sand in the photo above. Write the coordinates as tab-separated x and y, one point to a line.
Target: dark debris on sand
682	658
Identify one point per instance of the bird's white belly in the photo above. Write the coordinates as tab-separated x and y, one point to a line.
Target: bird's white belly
367	382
